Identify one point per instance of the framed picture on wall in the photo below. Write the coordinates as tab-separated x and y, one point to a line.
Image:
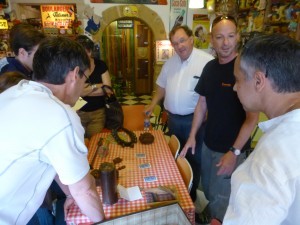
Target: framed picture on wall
201	31
164	50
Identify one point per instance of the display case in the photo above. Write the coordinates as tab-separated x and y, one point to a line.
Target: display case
4	41
270	16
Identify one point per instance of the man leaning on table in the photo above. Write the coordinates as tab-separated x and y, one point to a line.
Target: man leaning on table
42	138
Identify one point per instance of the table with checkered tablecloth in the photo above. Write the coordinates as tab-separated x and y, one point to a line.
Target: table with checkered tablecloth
163	166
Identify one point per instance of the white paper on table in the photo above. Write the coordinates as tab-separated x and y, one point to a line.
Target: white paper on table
79	104
130	194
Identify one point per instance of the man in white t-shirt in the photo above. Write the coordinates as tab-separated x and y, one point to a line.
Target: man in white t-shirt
42	138
175	84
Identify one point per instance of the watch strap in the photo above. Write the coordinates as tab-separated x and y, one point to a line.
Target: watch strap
235	151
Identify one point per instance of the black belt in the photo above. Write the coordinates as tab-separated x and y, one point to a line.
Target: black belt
177	115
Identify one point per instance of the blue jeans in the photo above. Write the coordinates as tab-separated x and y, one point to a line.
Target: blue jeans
44	216
61	197
215	187
181	127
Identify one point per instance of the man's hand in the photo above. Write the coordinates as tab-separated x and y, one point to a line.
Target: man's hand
148	110
190	144
227	164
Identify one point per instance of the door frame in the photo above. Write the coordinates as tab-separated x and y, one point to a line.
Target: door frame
147	15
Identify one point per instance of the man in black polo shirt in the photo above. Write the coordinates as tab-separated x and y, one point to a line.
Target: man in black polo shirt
228	126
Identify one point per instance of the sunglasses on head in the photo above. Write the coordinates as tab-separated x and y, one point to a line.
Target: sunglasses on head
224	17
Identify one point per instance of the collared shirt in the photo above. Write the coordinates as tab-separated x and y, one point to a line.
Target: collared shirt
266	187
179	79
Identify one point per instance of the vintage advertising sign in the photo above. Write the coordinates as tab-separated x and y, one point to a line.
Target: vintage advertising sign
125	24
178	12
57	16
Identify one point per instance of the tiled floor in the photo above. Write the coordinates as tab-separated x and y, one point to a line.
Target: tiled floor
135	100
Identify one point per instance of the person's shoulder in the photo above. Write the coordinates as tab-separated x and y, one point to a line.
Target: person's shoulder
212	63
174	59
7	65
209	67
203	53
100	62
3	64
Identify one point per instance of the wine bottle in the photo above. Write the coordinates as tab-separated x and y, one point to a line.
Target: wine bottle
179	18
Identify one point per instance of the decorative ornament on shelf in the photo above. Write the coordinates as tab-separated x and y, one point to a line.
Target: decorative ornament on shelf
93	23
226	7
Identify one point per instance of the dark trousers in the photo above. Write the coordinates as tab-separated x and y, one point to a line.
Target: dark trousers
181	127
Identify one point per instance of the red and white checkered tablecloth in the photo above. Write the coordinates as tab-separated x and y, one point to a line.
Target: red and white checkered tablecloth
163	166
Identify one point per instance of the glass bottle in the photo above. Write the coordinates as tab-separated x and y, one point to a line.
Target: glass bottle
179	19
147	122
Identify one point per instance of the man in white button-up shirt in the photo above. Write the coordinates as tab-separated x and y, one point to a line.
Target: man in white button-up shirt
266	187
175	84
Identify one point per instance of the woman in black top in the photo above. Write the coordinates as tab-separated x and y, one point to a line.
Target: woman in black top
92	114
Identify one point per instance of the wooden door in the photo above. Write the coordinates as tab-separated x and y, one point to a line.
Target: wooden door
143	59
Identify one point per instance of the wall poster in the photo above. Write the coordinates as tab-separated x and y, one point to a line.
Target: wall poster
57	16
178	12
201	26
164	50
150	2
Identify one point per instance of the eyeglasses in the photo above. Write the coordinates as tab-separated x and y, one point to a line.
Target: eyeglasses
181	41
220	18
87	78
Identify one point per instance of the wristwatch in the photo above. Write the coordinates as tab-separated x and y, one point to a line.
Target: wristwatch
235	151
94	87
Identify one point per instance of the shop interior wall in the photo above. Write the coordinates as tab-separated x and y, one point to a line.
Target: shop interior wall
162	10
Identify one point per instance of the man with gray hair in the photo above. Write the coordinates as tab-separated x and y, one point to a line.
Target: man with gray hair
266	187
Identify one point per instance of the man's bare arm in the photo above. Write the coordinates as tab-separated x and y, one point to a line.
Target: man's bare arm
158	96
85	194
198	119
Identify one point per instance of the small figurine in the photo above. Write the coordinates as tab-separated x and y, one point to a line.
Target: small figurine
93	24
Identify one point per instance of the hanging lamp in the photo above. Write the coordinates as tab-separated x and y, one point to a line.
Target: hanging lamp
196	4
